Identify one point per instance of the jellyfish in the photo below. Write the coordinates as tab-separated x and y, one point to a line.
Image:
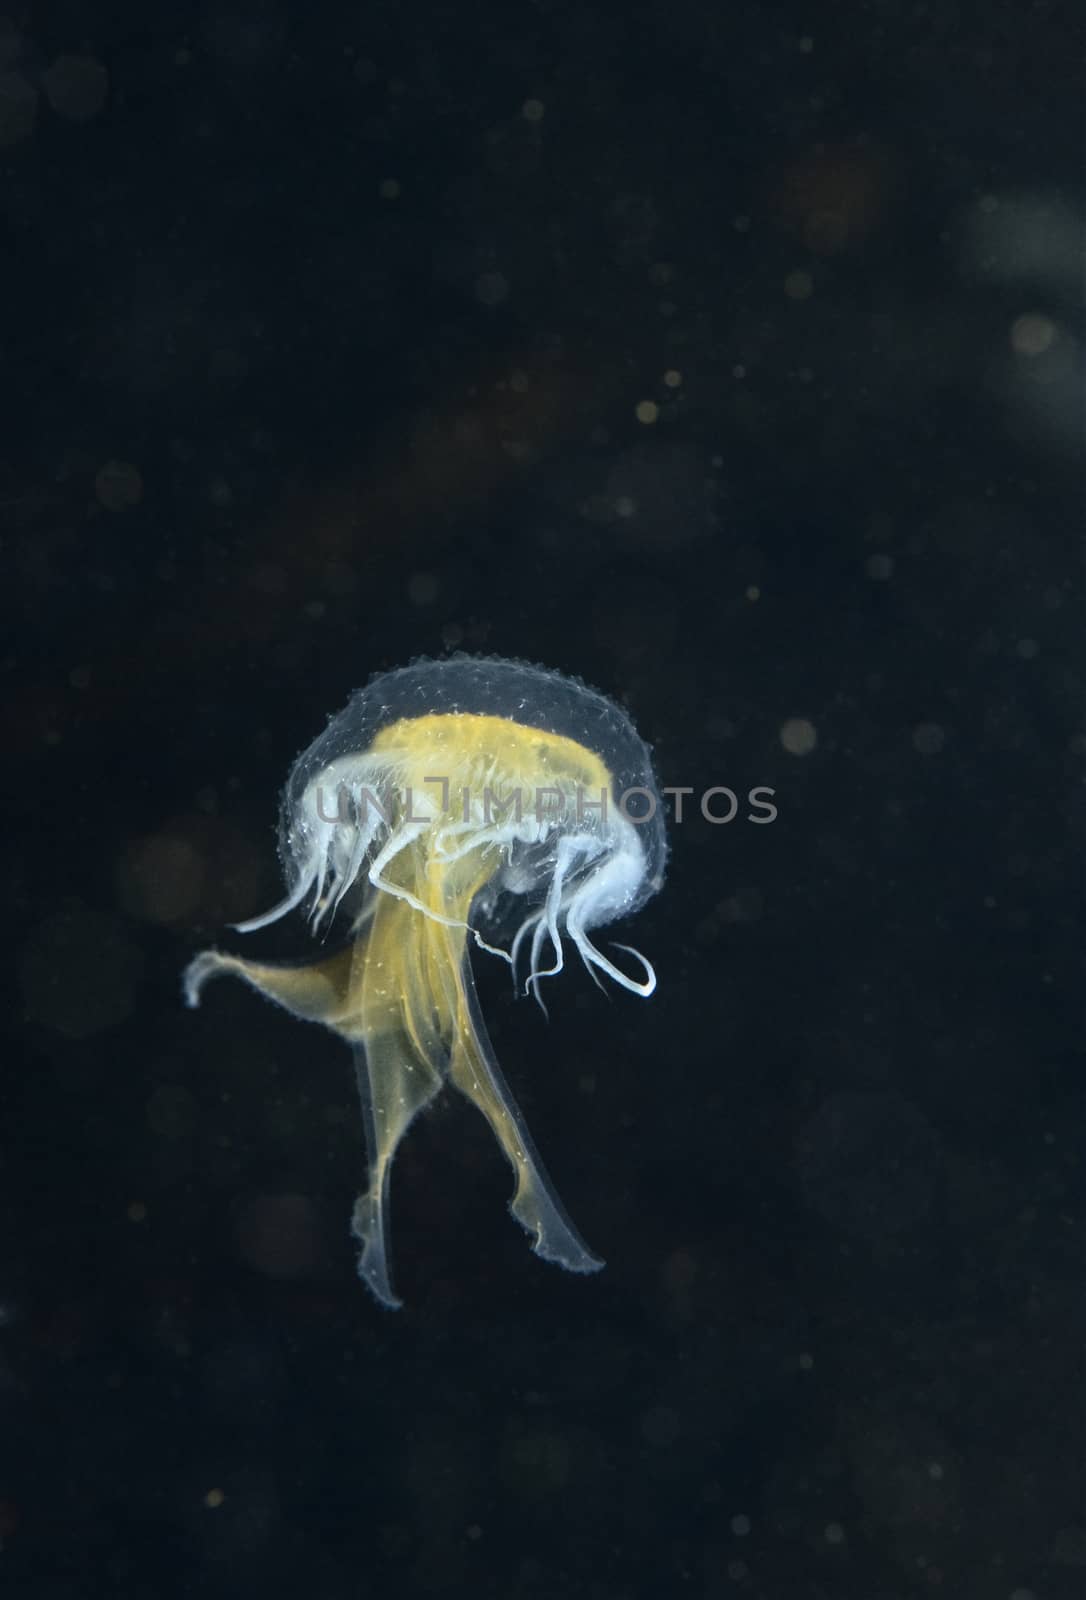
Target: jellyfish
455	806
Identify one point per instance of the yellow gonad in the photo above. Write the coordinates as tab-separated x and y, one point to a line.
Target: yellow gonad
452	803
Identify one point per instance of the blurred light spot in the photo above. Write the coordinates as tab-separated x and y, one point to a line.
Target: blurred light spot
279	1234
1069	1547
137	1212
76	87
340	580
672	378
18	109
213	1499
1026	238
532	111
799	286
646	411
835	1534
171	1111
1028	649
423	589
834	197
1032	334
11	42
389	189
1046	388
267	577
491	289
798	736
660	1426
680	1269
161	879
879	567
196	868
740	1526
118	485
540	1461
929	738
245	34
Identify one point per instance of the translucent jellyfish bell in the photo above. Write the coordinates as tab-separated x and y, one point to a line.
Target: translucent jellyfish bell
456	804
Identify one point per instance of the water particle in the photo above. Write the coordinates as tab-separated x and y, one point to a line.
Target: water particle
798	736
76	87
929	738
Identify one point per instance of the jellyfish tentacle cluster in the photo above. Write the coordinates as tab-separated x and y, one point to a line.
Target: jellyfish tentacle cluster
455	804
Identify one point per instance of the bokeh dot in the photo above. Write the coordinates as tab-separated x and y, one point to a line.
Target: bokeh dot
76	87
798	736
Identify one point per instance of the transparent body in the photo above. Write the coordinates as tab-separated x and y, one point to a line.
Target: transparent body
457	804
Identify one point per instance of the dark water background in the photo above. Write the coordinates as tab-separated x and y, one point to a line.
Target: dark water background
729	356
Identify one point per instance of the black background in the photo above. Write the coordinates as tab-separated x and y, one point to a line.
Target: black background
332	335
